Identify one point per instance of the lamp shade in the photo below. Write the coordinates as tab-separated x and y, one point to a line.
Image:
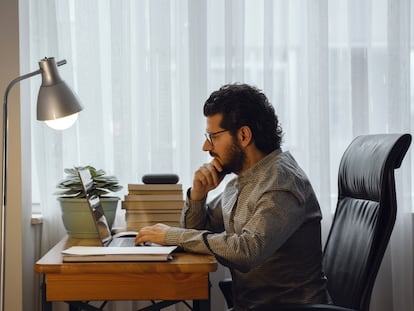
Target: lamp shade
55	99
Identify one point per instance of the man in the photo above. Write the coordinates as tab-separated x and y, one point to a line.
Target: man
265	226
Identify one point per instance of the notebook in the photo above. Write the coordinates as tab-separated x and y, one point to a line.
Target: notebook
122	239
99	253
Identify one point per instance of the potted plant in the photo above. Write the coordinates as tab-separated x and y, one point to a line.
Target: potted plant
76	216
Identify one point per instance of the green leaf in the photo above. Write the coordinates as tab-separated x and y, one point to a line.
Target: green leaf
102	183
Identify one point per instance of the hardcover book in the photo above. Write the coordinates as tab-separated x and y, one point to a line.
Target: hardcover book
96	253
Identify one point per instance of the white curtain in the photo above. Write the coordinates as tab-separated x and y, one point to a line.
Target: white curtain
143	69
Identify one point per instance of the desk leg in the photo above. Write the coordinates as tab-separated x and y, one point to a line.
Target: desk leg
201	305
72	308
46	305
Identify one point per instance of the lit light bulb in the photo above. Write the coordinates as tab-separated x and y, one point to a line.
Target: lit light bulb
62	123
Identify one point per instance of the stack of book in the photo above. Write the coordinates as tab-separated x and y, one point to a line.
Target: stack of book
148	204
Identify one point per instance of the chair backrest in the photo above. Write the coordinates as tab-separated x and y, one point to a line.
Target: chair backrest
364	217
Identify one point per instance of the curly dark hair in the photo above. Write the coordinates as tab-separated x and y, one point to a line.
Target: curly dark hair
242	104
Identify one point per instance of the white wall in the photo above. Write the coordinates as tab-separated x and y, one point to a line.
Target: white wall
9	64
18	193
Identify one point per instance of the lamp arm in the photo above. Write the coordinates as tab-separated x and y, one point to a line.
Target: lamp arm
4	176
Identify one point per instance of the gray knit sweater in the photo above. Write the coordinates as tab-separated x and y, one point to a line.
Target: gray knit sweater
265	227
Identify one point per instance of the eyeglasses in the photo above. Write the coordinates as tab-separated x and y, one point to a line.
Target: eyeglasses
210	136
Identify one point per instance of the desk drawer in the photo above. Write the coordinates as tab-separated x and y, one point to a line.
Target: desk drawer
124	286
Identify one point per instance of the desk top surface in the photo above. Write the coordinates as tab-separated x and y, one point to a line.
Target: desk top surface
182	262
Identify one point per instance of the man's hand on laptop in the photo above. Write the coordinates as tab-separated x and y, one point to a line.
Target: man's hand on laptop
154	234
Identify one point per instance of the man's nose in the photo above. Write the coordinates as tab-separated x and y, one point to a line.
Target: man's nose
207	146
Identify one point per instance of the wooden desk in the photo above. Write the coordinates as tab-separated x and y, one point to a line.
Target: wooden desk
185	277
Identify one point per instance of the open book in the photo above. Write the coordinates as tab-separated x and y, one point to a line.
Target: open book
98	253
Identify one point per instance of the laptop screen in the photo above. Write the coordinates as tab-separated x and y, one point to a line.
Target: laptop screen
95	206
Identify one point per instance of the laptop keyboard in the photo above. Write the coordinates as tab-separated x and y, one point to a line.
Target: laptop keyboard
122	242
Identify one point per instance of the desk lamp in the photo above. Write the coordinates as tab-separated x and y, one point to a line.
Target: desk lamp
58	106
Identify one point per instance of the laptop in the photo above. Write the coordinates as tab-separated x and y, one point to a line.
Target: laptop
122	239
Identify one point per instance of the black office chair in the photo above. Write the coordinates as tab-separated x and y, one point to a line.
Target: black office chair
362	225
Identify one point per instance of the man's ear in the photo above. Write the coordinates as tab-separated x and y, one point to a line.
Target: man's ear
245	135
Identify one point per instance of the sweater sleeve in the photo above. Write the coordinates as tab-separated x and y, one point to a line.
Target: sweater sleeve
198	219
276	216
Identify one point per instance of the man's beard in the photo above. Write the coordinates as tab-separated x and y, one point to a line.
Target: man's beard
236	159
